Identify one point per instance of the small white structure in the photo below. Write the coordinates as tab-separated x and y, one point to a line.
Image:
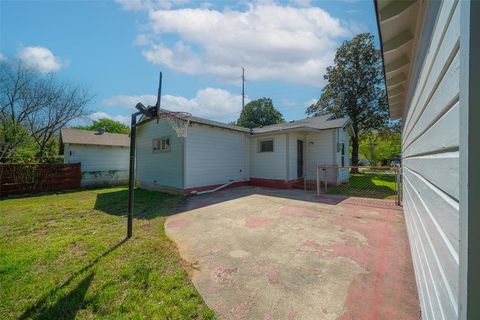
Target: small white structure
214	154
104	157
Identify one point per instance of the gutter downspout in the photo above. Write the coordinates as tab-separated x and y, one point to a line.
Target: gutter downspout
213	190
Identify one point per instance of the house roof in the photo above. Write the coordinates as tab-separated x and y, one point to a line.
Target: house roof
78	136
203	121
218	124
399	26
318	123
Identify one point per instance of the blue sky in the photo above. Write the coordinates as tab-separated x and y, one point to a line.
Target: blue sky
117	48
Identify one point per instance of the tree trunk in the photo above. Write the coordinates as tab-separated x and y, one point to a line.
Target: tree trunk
41	152
354	154
372	153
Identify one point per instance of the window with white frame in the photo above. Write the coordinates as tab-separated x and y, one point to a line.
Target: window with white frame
265	146
161	144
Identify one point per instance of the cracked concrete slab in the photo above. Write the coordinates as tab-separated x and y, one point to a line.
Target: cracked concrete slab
286	254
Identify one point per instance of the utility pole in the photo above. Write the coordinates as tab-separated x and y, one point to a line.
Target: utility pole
243	88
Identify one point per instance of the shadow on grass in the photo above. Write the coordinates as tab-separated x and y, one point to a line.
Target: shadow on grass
148	204
68	305
58	192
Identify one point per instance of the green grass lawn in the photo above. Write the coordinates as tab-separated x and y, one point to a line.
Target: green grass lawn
371	185
63	256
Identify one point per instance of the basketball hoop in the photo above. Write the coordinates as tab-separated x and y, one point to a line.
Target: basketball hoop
178	120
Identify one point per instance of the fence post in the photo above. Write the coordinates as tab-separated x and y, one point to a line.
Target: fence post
399	186
326	178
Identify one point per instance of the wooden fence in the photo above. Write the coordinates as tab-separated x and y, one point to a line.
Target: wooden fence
16	179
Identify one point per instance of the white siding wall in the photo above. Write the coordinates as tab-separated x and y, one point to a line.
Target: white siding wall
159	170
100	165
321	152
430	168
215	156
269	165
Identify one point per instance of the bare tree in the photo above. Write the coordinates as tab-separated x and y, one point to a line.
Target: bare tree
68	103
40	103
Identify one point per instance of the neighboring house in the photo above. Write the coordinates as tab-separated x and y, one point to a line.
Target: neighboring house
104	157
214	154
431	53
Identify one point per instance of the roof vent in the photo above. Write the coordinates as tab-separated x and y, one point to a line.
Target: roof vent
101	131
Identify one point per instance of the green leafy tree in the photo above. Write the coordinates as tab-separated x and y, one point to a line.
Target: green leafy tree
109	125
259	113
52	151
355	89
378	147
18	145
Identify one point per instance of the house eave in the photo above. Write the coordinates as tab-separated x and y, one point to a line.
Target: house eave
398	29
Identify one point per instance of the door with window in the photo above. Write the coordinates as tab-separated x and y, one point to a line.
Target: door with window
299	158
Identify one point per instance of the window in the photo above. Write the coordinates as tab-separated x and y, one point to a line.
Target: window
343	155
161	145
266	146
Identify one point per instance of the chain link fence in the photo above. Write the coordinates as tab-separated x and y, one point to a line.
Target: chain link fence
359	181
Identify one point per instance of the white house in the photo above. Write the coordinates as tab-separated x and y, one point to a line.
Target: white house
431	53
104	157
214	154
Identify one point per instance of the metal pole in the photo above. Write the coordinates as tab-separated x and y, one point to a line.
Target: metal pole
326	179
131	176
399	187
243	88
159	92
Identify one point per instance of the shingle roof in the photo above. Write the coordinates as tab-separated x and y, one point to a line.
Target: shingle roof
318	123
208	122
218	124
78	136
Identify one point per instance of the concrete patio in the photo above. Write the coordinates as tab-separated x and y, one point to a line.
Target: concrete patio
259	253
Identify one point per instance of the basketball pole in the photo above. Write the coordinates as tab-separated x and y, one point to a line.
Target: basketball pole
131	173
148	112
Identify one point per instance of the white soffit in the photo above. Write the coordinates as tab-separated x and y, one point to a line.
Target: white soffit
398	24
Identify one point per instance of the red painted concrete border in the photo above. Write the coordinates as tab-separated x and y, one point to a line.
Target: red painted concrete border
273	183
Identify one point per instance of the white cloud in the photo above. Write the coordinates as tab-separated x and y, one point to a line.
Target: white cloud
135	5
99	115
288	103
310	102
41	58
301	3
210	103
2	57
142	40
353	11
271	41
124	101
357	27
